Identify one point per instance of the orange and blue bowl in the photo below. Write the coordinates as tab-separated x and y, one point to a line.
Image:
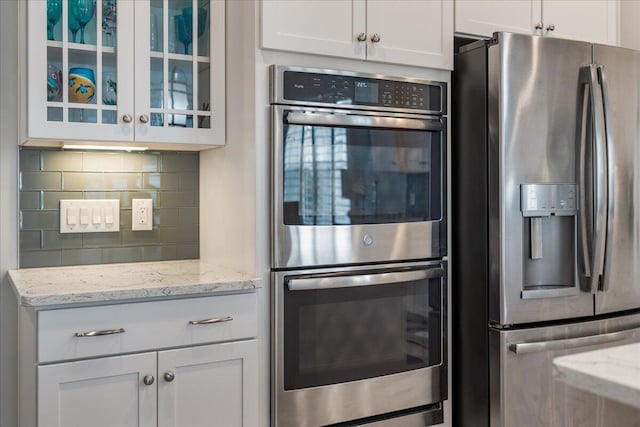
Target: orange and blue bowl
82	85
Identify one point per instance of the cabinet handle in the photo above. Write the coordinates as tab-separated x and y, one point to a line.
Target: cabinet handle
100	333
539	26
127	118
148	380
361	37
551	27
144	119
169	376
375	38
210	321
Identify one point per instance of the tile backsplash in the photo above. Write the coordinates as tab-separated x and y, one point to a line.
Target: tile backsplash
170	179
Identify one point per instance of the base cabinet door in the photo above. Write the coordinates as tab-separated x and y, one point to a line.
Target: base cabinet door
212	386
104	392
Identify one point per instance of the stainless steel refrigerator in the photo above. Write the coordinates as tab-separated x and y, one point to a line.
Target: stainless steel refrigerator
546	225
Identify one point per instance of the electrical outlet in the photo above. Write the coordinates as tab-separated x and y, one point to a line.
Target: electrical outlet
141	214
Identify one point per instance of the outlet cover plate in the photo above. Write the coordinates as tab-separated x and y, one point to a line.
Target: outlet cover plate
89	216
141	214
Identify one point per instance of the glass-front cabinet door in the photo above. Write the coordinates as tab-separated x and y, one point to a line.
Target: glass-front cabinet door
80	65
180	77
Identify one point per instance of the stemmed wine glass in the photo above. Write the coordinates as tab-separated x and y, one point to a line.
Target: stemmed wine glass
184	26
74	26
54	13
83	11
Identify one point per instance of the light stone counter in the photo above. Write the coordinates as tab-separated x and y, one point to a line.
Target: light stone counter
611	372
112	282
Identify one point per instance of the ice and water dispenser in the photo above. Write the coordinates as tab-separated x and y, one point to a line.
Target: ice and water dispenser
549	237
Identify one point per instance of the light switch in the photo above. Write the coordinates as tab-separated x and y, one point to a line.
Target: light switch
89	216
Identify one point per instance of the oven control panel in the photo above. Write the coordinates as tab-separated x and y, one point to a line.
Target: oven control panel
344	90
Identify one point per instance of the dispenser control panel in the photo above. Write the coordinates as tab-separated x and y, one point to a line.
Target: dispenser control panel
548	199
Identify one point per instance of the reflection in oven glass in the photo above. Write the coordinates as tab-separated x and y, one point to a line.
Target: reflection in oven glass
340	176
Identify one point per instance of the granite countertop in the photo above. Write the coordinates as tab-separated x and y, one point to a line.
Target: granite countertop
112	282
611	372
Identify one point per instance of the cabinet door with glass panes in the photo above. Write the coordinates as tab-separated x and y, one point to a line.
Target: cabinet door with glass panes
80	70
180	81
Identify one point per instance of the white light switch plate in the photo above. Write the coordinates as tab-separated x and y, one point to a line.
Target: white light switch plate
141	214
89	216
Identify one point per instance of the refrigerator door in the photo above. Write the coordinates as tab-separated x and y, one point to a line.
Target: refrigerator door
534	94
620	80
523	391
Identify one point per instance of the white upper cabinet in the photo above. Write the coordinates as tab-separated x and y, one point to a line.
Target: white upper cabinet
144	71
587	20
484	17
414	32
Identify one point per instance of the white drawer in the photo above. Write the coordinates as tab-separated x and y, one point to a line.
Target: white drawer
147	326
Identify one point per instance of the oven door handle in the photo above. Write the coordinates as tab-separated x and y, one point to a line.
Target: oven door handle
354	120
314	283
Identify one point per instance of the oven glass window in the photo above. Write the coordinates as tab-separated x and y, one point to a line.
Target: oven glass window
346	334
342	175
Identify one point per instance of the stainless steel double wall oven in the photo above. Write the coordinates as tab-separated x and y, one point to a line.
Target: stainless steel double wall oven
359	319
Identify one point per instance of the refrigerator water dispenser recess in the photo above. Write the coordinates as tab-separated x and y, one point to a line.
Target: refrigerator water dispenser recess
549	239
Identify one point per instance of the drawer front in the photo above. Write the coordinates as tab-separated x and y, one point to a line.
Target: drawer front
147	326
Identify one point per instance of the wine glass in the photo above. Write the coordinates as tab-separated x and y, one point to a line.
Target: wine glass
187	12
83	11
54	13
74	26
183	34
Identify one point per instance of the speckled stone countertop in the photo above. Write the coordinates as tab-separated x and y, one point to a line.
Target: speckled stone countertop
611	372
112	282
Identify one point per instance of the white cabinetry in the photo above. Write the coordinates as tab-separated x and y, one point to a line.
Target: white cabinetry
164	367
589	20
413	32
148	72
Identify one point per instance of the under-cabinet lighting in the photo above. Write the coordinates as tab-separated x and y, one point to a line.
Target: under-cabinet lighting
102	147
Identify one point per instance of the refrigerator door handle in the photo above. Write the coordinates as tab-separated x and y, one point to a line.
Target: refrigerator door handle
593	260
610	193
565	344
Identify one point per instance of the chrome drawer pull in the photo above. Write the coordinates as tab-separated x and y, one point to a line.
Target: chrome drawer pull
212	320
100	333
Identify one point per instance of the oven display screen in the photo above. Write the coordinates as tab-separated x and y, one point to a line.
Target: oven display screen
366	92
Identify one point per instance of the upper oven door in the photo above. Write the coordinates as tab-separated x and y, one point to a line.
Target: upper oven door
357	187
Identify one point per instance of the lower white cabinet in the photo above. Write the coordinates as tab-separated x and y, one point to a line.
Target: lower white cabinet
212	385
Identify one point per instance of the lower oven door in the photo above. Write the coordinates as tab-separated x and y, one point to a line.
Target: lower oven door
357	342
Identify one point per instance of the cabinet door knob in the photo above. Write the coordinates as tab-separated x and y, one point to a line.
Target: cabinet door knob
375	38
361	37
127	118
148	379
144	119
539	26
169	376
551	27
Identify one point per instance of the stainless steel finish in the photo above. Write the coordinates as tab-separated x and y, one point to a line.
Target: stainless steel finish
296	246
99	333
621	279
148	380
362	37
375	38
561	291
335	403
584	158
349	281
211	321
522	378
356	120
418	419
548	199
277	90
169	376
551	27
535	347
532	116
144	119
536	238
127	118
539	26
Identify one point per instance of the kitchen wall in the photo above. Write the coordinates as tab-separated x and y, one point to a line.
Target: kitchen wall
170	179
